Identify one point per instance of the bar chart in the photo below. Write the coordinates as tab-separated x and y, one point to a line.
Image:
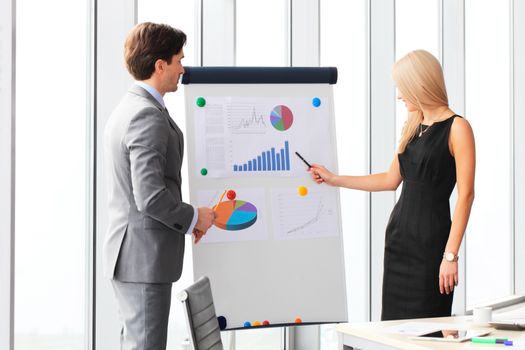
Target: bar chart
268	160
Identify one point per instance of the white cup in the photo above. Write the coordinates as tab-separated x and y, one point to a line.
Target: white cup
482	315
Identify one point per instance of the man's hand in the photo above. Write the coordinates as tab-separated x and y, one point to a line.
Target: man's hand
198	235
204	222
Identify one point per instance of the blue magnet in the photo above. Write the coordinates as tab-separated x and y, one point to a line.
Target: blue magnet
222	322
316	101
247	324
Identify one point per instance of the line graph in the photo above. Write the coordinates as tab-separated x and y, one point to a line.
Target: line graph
297	217
309	222
244	119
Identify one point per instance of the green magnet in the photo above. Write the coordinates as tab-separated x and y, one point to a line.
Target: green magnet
201	102
204	171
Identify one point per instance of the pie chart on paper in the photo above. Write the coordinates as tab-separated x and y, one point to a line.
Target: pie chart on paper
281	118
235	215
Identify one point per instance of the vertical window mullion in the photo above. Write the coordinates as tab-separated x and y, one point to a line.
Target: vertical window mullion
305	33
453	61
382	133
518	110
114	19
219	40
7	175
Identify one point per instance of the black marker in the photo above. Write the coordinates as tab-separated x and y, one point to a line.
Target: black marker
305	162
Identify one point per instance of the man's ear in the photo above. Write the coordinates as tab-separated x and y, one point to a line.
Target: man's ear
160	65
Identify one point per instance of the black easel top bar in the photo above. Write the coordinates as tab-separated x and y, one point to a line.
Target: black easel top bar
260	75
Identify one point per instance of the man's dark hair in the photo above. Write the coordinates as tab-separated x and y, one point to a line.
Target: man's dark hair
146	43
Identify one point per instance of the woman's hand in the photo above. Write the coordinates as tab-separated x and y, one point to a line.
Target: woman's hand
320	174
448	276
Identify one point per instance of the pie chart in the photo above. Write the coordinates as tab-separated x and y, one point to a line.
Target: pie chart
235	215
281	118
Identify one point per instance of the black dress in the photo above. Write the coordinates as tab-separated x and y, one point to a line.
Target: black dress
418	229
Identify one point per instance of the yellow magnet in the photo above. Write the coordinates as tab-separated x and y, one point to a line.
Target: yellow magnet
302	191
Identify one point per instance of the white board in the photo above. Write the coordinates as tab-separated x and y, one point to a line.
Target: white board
287	262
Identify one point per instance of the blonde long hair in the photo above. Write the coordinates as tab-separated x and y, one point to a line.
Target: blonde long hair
419	77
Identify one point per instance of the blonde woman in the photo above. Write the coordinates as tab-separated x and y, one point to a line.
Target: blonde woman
435	153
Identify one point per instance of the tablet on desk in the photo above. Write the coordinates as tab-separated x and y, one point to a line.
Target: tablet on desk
453	335
511	325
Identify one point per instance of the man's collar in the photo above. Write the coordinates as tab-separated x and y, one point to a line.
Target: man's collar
153	92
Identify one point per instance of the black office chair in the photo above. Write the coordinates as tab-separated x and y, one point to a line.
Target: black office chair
200	316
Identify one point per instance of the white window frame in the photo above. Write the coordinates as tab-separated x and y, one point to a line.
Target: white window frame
518	111
304	43
382	126
7	171
452	50
114	19
91	239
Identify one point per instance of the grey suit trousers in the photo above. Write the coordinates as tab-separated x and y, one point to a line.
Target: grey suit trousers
144	312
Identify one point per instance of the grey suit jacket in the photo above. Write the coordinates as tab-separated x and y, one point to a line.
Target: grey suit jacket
143	149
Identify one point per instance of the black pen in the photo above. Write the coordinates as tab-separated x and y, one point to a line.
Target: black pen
304	160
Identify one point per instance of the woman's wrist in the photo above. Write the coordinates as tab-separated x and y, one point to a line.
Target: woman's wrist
335	180
450	256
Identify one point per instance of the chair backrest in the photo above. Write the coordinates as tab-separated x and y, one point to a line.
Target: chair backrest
200	316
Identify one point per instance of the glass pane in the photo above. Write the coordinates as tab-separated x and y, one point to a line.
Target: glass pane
262	33
417	27
51	173
181	15
350	107
487	69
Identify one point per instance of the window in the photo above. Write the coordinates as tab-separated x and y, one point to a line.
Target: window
261	33
51	174
487	62
350	98
417	27
181	15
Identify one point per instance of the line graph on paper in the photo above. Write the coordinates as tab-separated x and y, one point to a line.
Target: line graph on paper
245	119
310	222
311	216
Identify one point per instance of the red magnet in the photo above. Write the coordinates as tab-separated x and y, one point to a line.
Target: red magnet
231	194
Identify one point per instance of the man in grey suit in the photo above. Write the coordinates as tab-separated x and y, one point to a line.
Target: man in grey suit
144	247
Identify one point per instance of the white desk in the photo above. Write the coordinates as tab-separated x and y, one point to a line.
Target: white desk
368	335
